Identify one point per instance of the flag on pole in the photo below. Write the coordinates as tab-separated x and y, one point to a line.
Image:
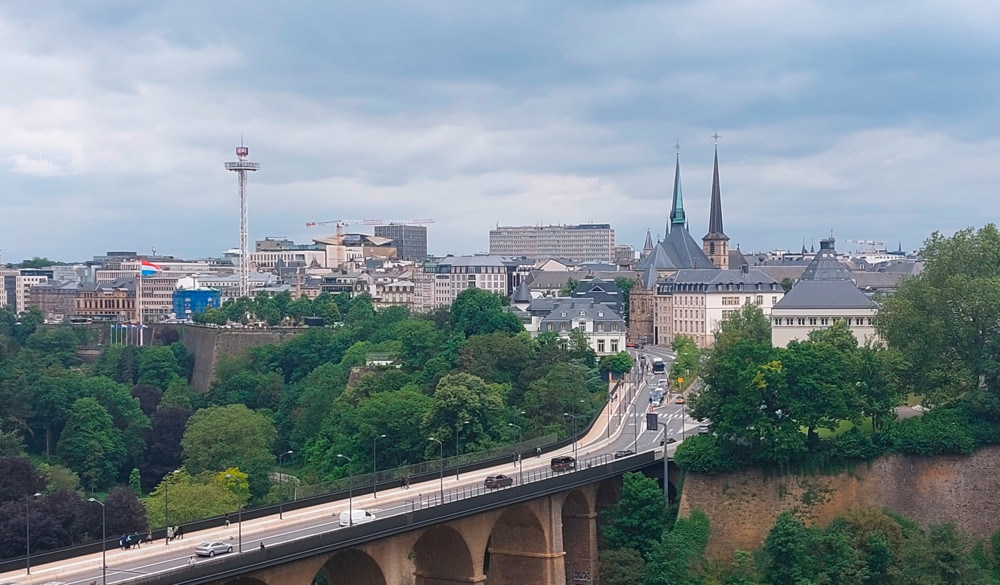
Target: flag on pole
148	268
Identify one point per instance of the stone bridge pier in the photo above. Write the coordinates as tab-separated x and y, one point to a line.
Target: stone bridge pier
550	540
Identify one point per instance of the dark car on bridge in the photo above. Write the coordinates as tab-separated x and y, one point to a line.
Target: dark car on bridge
565	463
499	481
624	453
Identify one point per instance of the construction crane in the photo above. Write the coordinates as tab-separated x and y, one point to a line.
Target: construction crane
874	243
340	223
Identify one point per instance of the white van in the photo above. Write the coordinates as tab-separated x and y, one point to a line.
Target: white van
360	517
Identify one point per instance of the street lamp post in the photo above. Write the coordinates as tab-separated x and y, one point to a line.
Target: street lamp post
440	463
574	417
104	541
166	508
457	427
27	530
350	491
517	453
375	466
281	484
239	519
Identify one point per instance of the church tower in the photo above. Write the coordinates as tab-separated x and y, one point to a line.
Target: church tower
647	249
715	244
677	217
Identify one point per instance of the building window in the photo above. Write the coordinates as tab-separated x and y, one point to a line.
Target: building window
730	300
600	327
614	346
600	346
711	248
774	300
824	321
760	299
777	321
812	320
747	301
802	320
859	321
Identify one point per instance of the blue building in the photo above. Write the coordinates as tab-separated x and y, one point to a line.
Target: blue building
188	301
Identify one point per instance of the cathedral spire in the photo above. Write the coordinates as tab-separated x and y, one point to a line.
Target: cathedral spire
715	230
677	217
648	247
715	244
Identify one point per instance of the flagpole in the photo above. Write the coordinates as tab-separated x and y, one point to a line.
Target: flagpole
139	297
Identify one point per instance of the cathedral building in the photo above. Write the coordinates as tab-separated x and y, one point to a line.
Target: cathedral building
683	288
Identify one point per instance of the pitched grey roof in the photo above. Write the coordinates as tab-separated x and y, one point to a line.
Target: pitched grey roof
555	279
780	273
719	276
824	265
736	258
824	294
884	281
576	309
522	295
649	278
677	251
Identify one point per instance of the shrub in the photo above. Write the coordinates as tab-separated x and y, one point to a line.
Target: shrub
937	432
704	454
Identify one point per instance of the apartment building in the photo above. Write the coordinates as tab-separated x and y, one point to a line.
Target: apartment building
410	241
440	282
595	241
17	286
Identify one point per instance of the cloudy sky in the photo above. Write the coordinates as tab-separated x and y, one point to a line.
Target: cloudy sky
874	119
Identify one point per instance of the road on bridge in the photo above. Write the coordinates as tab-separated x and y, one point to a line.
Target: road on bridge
125	565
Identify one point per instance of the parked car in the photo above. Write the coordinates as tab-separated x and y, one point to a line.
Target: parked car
564	463
624	453
679	400
498	481
210	549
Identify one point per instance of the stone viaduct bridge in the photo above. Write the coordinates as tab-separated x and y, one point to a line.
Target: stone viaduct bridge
540	533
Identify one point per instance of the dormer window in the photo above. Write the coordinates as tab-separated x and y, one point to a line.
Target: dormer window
600	313
583	313
564	313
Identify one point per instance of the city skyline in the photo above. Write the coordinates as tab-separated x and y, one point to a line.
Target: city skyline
857	118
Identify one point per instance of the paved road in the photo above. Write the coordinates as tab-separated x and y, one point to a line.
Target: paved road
154	557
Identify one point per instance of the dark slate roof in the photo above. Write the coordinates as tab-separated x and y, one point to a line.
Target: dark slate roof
884	281
576	309
676	252
736	258
825	265
555	279
649	278
719	276
824	294
782	272
522	295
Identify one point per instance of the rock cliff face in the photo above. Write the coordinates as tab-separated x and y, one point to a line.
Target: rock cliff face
742	505
208	343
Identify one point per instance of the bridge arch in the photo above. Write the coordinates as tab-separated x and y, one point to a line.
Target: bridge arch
579	538
441	556
518	550
353	567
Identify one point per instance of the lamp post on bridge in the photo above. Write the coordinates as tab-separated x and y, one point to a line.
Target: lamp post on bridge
517	454
375	466
440	463
457	428
104	541
281	483
27	530
350	491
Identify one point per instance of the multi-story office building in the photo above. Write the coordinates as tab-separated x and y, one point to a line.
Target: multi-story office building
270	251
112	302
410	241
17	286
56	299
593	241
440	282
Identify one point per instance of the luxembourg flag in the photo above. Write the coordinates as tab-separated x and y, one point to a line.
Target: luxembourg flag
149	269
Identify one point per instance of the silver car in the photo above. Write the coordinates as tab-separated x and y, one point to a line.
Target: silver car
210	549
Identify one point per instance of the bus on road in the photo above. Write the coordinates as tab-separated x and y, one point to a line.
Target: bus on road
659	367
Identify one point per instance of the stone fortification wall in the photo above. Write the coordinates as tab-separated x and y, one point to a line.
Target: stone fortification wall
208	343
743	505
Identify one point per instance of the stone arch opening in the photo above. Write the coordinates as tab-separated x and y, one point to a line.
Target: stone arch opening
579	539
350	567
608	494
442	556
518	550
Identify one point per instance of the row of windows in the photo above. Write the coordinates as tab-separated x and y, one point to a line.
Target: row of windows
856	321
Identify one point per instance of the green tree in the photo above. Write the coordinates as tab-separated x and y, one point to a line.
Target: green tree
786	551
189	499
218	437
680	555
478	312
787	284
625	285
618	363
639	518
622	566
158	366
463	397
687	358
568	288
496	357
420	342
91	445
943	321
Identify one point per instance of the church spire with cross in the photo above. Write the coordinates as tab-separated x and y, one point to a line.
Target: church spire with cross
716	243
677	216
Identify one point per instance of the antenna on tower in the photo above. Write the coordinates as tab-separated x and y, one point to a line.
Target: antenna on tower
241	167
